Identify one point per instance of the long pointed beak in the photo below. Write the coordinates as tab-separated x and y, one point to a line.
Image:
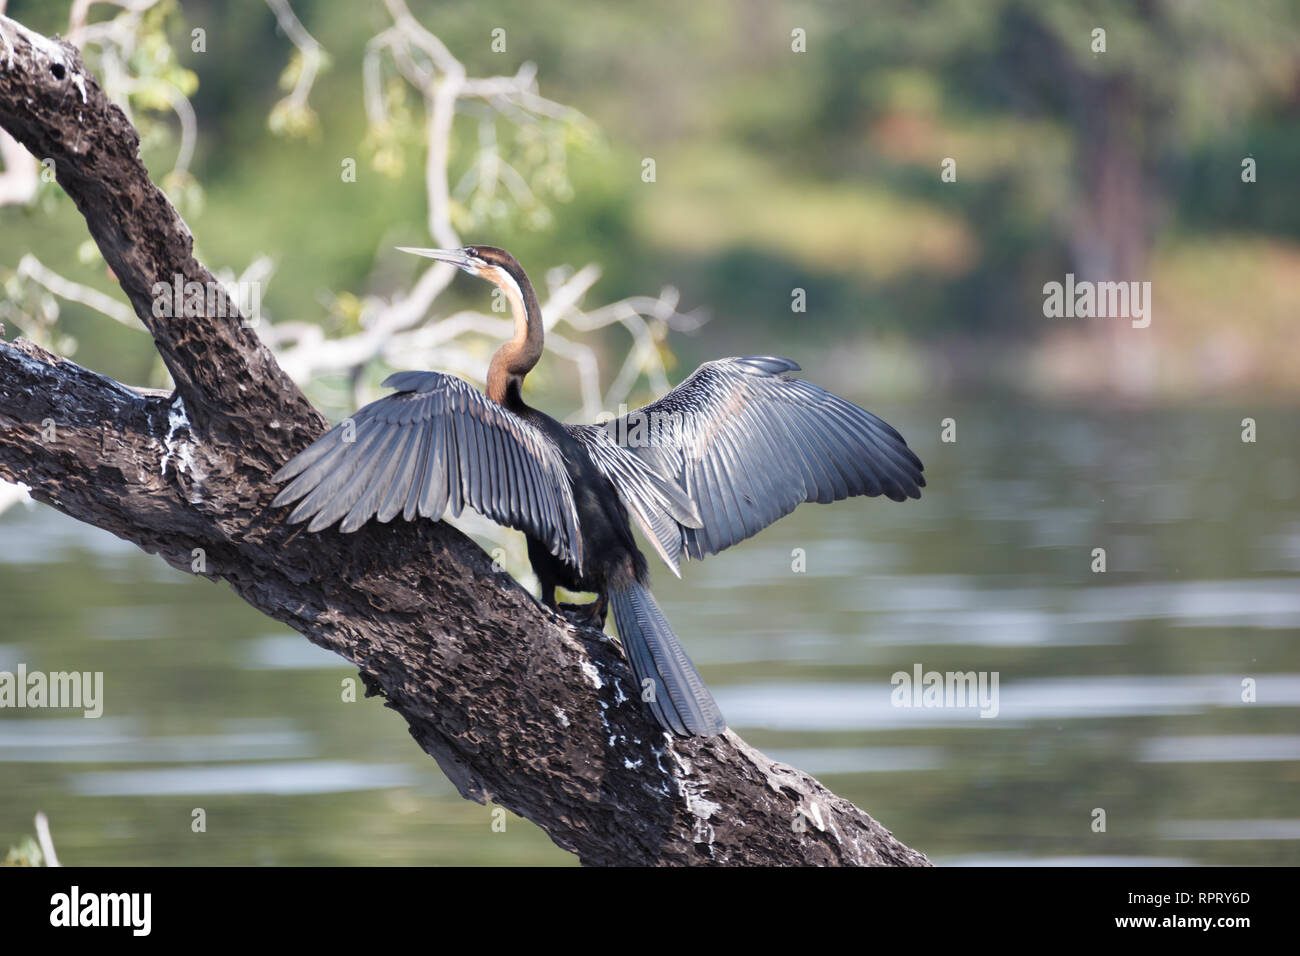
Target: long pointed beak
456	257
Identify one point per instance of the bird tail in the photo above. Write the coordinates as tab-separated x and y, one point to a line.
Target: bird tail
675	694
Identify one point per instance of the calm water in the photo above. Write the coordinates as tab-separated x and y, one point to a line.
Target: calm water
1120	691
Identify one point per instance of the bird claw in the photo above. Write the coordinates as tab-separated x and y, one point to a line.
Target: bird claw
585	615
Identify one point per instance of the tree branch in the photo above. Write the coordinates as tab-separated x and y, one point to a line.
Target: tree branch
55	108
516	705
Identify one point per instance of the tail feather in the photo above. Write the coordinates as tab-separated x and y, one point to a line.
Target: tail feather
680	702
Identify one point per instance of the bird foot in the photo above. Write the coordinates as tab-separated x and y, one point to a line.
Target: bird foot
585	615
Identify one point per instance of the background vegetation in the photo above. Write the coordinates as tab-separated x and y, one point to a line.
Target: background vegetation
778	170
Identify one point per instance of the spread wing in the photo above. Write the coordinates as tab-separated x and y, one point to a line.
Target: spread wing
747	445
433	447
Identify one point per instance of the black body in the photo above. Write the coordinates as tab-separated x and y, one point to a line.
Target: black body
609	549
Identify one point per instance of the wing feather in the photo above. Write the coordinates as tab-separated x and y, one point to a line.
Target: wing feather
433	495
431	448
330	504
412	506
753	444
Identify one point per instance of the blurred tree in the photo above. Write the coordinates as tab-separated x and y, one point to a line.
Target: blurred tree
1137	86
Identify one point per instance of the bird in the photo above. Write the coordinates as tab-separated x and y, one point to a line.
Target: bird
734	447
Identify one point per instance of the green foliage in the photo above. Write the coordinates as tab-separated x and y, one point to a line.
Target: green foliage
153	62
26	853
389	139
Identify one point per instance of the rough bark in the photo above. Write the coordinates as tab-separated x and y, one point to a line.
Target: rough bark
516	705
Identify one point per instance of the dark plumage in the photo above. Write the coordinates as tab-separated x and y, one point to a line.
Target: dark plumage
736	446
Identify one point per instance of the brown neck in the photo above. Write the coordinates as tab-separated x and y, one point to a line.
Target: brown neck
517	357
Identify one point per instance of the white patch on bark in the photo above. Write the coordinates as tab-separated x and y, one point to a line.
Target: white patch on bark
812	812
181	450
588	668
693	793
782	778
663	787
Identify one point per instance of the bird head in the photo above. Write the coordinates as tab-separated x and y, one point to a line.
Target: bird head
486	262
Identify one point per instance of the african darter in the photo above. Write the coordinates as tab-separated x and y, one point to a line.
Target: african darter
736	446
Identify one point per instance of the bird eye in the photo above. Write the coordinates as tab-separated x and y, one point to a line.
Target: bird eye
471	252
